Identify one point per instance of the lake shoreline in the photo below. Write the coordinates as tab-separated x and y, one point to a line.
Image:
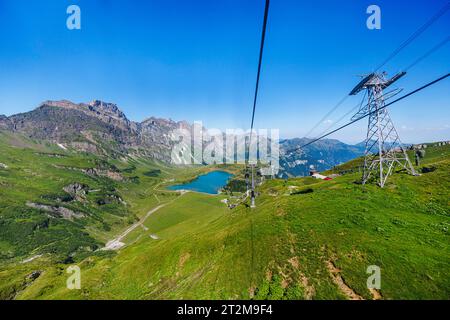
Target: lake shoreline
208	183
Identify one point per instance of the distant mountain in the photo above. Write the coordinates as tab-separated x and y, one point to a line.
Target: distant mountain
320	155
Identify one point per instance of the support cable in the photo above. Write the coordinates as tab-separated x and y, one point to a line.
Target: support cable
416	34
408	41
255	99
370	113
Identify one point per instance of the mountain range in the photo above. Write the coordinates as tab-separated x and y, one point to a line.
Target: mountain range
102	128
321	155
97	127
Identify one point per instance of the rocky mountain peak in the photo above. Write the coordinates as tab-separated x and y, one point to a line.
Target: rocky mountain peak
106	108
96	107
59	104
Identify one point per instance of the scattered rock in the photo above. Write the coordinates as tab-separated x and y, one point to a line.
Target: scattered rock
116	176
33	276
77	190
95	172
3	166
112	198
56	212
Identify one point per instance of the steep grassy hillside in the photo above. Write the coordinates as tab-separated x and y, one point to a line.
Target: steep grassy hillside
68	203
306	239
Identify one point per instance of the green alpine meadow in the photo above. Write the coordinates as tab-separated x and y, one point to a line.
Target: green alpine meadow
306	239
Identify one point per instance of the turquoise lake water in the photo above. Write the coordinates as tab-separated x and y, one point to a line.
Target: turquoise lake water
210	183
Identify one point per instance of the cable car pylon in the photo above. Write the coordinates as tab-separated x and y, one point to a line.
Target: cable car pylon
383	148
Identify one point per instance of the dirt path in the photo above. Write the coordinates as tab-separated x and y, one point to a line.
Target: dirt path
349	292
376	294
117	243
337	278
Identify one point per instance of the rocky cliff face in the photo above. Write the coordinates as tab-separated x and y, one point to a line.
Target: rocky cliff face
95	127
4	122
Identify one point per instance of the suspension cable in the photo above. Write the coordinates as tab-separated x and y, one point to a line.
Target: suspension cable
416	34
370	113
428	53
408	41
261	50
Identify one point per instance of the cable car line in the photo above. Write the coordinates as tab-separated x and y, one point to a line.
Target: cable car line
343	117
255	99
368	114
416	34
344	98
408	41
428	53
409	67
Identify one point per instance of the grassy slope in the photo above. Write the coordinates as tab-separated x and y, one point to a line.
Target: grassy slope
35	174
38	172
278	250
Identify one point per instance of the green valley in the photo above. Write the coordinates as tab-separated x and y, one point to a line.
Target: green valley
306	238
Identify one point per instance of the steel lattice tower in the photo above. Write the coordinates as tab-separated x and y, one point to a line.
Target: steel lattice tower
383	148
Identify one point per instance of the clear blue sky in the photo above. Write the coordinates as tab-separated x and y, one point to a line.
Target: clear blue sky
197	60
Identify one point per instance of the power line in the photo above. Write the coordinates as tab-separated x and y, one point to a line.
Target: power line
368	114
417	33
428	53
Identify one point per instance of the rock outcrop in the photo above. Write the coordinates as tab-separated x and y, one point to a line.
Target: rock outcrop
77	190
56	212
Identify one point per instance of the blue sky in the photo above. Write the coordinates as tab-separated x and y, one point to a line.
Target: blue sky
197	60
